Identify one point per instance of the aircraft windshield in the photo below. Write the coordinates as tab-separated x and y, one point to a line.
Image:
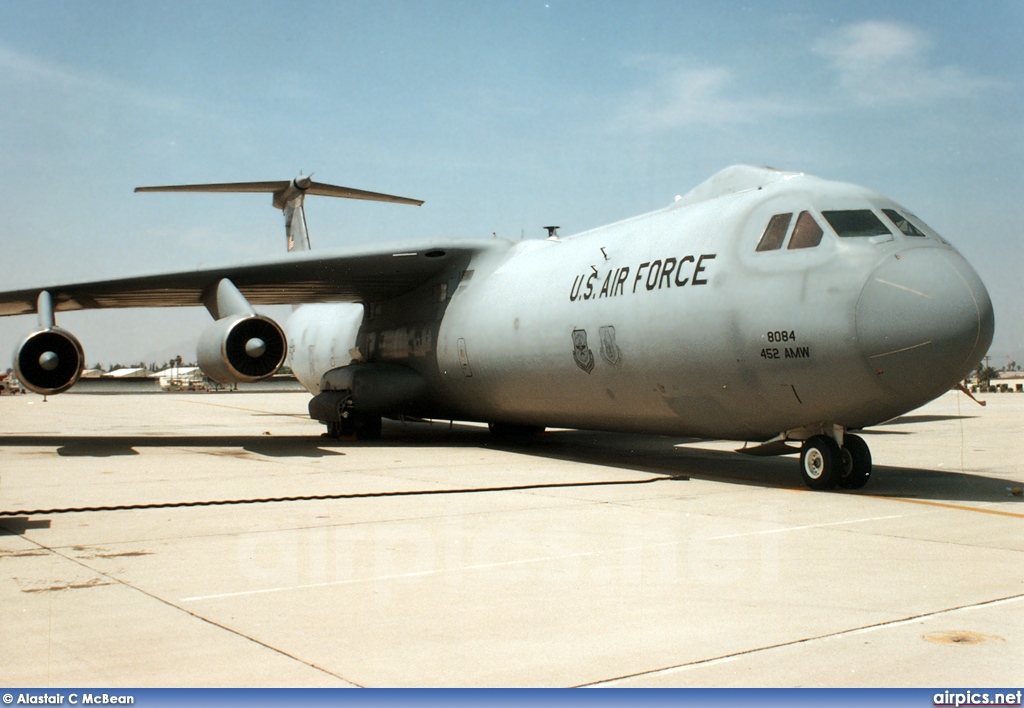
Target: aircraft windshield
855	223
903	223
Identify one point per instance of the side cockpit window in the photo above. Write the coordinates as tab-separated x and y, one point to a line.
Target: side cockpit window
806	233
775	233
855	223
903	223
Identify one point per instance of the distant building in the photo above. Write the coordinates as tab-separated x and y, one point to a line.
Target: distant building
1009	381
176	372
183	378
127	374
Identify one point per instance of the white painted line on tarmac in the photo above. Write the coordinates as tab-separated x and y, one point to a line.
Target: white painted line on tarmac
787	529
417	574
501	564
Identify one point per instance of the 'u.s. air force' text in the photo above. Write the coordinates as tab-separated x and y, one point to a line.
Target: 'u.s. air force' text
653	275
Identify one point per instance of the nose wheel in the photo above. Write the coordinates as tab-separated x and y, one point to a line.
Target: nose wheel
825	465
856	463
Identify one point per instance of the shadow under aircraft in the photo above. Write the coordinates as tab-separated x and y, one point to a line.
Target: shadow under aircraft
669	458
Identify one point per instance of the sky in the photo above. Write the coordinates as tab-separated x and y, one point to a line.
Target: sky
502	116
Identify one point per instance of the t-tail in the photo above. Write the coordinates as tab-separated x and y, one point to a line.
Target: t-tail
289	197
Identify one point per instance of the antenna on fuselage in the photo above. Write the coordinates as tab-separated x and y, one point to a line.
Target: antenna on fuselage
289	197
552	232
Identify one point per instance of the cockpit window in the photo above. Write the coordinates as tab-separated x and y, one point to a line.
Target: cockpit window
807	233
903	223
775	233
855	222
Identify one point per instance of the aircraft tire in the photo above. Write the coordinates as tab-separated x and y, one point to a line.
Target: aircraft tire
357	426
343	430
857	470
821	462
367	427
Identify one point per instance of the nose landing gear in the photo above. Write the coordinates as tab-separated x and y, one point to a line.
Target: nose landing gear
825	465
820	462
856	463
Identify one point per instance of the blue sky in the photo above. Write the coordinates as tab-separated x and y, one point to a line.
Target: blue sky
503	116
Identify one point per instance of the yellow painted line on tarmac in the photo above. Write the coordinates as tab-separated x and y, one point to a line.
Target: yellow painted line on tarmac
236	408
958	507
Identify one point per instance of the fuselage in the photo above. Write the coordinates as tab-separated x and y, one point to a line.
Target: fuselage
760	303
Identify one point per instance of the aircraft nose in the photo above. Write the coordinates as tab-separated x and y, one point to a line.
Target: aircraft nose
924	320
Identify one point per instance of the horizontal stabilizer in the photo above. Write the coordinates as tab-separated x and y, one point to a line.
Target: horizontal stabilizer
284	191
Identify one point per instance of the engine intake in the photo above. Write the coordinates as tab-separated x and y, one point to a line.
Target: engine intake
242	349
49	361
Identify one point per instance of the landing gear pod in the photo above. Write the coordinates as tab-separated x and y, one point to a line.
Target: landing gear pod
242	349
353	398
49	361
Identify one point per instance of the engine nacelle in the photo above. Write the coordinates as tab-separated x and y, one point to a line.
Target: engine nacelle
242	349
49	361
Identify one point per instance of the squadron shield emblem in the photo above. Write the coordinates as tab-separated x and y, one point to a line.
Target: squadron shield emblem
581	352
609	349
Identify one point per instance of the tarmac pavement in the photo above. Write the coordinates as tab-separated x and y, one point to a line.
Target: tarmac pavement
217	540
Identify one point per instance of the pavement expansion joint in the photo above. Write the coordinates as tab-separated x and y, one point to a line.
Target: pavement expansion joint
115	580
805	640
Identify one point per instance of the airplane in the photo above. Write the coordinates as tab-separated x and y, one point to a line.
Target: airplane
774	308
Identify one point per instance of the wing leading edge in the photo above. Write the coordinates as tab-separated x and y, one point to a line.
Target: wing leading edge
359	275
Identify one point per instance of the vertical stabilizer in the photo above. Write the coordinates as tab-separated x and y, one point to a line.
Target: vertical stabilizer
295	224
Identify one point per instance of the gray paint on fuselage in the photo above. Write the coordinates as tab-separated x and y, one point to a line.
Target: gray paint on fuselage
695	347
692	361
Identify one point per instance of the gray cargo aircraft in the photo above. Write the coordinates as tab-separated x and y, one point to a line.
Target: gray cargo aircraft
763	306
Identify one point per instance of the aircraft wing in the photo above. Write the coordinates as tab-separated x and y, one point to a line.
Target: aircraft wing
355	275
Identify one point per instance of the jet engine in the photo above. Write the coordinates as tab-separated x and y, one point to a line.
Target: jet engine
242	348
49	361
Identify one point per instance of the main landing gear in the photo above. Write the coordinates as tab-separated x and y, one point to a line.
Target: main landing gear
824	464
361	426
